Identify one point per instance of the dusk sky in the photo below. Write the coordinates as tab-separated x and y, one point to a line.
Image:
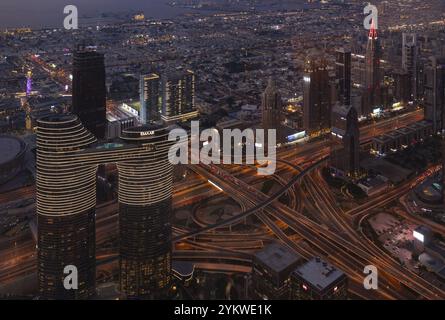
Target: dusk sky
17	13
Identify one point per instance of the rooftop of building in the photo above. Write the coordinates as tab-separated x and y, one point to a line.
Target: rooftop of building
382	139
420	125
319	273
438	249
393	172
58	118
344	50
405	130
183	269
341	109
176	73
423	229
118	116
277	257
11	147
373	182
394	135
430	191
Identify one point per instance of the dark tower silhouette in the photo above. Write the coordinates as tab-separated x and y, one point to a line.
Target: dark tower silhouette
271	110
343	74
345	151
434	92
89	91
317	104
402	88
434	89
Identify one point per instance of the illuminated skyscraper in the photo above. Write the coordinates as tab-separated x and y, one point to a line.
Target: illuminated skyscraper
317	107
150	97
145	199
271	105
178	96
372	73
343	75
67	160
66	200
28	83
89	91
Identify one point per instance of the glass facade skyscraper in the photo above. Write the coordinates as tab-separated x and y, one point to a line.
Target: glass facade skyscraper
89	91
149	90
343	74
316	95
178	96
67	160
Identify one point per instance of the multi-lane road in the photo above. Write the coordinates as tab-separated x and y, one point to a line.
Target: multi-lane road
348	249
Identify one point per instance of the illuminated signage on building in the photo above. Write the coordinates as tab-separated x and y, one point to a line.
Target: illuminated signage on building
147	133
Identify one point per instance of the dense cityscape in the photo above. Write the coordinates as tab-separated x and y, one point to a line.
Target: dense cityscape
349	116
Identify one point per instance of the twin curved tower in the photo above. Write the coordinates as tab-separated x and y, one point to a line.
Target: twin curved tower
67	160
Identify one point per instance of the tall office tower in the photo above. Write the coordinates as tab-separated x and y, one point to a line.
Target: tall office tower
345	152
89	90
145	199
343	75
318	280
66	200
435	93
372	73
149	86
402	92
271	271
178	96
271	105
409	60
317	107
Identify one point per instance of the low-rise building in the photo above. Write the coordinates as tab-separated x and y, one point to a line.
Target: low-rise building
271	271
399	138
372	186
319	280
